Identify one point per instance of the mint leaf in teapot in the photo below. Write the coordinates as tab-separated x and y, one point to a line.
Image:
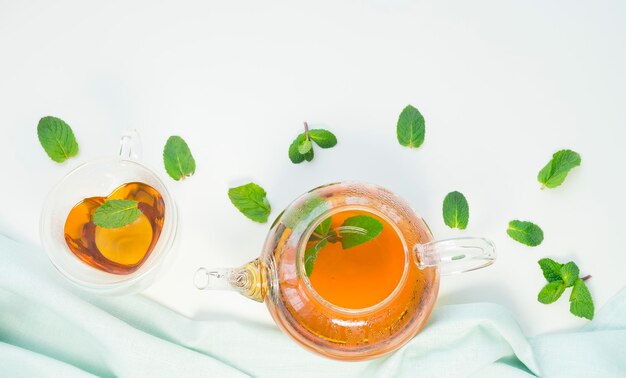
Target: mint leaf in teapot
116	213
177	158
555	172
310	255
57	138
411	127
560	277
301	148
455	210
250	200
359	229
525	232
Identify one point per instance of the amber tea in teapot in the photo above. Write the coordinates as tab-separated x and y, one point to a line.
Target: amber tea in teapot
349	271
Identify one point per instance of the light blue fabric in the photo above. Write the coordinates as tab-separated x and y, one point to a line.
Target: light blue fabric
47	328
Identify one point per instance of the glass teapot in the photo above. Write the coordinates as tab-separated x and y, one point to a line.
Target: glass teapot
357	303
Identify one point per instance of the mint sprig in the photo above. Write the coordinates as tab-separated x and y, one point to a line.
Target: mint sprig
116	213
455	210
353	232
250	200
555	172
301	148
57	138
560	277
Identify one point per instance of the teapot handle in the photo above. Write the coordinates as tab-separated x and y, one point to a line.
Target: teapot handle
130	145
455	255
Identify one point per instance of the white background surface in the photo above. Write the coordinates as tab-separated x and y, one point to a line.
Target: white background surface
502	87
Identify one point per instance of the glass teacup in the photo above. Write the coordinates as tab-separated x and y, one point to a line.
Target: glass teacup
100	178
348	327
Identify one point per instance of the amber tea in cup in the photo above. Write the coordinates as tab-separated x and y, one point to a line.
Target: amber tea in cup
116	250
119	260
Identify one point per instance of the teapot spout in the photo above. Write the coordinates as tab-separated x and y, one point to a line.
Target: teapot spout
248	280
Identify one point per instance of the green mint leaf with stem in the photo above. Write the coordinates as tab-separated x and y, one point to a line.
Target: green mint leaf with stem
359	229
560	277
555	172
305	146
301	148
411	127
251	201
581	303
525	232
455	210
116	213
310	255
551	292
551	269
323	138
57	138
569	273
177	158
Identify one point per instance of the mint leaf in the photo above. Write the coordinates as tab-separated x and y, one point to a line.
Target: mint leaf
310	255
250	200
305	146
555	172
177	158
323	228
323	138
551	292
116	213
57	138
411	127
309	155
525	232
359	229
551	269
455	210
569	273
581	303
294	155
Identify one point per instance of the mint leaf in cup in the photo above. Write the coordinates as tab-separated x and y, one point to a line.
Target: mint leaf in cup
455	210
411	127
177	158
116	213
57	138
525	232
555	172
250	200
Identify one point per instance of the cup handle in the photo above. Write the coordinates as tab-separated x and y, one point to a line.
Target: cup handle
130	145
456	255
